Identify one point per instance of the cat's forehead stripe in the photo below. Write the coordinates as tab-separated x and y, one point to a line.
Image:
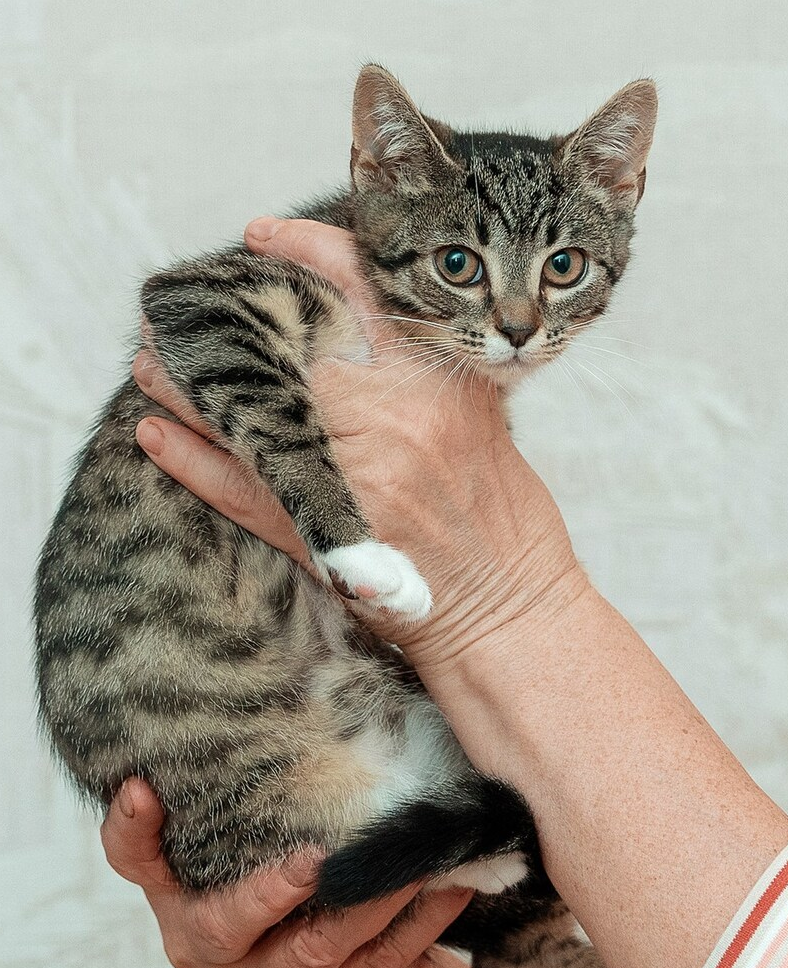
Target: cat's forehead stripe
478	188
515	187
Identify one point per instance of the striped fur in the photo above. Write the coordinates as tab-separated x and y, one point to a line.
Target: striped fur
173	646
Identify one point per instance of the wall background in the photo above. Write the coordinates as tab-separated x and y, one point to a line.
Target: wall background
130	134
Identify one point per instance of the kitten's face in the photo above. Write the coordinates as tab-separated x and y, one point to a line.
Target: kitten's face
506	245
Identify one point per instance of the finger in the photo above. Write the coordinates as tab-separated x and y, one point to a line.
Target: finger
222	481
330	251
220	928
328	941
152	379
408	939
437	957
131	834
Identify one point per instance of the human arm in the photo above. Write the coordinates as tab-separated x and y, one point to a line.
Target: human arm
650	829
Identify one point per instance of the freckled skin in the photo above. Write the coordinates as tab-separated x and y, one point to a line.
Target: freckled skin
173	646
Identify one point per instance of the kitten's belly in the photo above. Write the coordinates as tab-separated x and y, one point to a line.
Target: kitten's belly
407	765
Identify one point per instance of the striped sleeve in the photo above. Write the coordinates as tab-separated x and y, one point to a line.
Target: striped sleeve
758	935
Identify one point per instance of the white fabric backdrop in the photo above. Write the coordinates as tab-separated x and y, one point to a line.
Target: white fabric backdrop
131	133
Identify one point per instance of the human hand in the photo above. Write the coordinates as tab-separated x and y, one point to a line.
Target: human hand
240	927
429	458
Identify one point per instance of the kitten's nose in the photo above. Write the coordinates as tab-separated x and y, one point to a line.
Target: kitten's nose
518	335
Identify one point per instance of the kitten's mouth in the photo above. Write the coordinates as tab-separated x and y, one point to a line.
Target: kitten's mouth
522	361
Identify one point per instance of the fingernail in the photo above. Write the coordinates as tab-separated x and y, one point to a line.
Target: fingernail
300	869
341	586
461	893
263	229
150	437
143	373
126	802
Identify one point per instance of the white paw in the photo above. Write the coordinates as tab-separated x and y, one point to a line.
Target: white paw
489	876
383	575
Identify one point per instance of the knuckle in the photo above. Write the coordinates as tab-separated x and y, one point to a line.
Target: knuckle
433	957
110	845
128	871
238	491
313	949
387	953
179	953
269	910
212	932
294	234
115	852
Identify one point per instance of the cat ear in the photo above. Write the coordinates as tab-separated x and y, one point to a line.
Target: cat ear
613	144
393	143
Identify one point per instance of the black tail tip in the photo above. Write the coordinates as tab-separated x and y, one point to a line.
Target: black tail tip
426	838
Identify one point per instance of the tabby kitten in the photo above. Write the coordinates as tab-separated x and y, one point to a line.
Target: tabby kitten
174	646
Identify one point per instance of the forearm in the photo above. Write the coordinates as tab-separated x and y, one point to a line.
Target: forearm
651	830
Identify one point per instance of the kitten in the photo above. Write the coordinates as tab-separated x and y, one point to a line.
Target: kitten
173	646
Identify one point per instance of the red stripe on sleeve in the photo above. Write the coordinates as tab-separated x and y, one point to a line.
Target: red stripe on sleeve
756	916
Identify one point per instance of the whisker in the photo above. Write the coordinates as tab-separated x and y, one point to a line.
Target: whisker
577	378
472	370
621	356
412	358
462	377
410	340
606	373
363	284
489	392
420	353
411	319
448	376
581	387
617	339
566	367
607	386
419	373
574	328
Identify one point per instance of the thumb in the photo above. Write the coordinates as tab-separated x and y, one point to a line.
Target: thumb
328	250
130	835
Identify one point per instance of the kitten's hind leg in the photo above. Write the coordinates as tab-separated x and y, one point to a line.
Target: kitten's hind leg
555	941
237	334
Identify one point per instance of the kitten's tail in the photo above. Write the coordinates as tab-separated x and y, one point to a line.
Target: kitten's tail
481	819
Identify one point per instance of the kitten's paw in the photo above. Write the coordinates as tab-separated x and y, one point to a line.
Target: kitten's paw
383	575
491	875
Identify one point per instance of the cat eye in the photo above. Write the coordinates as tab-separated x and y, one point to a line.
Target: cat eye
459	266
565	268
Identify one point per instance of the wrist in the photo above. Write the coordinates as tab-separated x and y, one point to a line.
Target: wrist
500	680
538	598
493	547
